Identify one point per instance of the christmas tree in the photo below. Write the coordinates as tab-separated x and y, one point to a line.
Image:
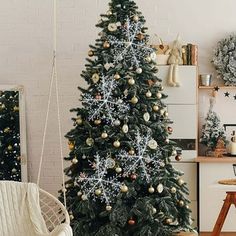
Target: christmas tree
121	181
10	168
212	130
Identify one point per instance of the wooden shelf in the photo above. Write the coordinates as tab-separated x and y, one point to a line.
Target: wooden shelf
225	159
220	87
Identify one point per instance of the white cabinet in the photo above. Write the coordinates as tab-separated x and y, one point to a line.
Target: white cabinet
182	108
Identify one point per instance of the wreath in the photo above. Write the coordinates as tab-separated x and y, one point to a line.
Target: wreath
224	60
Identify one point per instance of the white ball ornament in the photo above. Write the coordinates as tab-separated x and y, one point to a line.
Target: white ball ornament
74	161
118	170
174	153
108	208
155	108
173	190
148	94
104	135
152	144
139	70
136	18
151	190
159	95
134	100
112	27
180	182
131	81
124	189
116	144
84	197
154	210
98	192
117	122
148	59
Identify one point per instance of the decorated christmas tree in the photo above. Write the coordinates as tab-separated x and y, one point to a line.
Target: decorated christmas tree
121	181
212	130
9	136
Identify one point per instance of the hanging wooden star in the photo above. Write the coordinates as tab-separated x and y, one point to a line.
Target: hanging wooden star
227	94
216	88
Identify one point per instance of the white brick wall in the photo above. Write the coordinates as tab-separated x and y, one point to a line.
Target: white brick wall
26	51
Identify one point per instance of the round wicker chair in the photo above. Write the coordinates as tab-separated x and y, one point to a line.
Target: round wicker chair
53	211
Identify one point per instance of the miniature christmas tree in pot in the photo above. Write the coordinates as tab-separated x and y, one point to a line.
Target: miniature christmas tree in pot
121	181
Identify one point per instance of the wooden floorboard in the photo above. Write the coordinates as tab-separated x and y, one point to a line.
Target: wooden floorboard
222	234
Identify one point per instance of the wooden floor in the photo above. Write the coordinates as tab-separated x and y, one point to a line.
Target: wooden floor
222	234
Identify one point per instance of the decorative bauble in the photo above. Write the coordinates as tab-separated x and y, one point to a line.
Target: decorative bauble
9	147
139	70
168	221
125	128
116	144
79	121
95	77
112	27
90	53
155	108
136	18
124	189
154	210
79	194
133	176
148	59
104	135
162	111
15	108
97	122
118	170
109	12
180	182
148	94
152	144
178	157
89	141
98	192
74	160
173	190
108	208
151	190
7	130
131	152
161	88
187	206
13	170
174	153
167	141
117	122
84	157
134	100
131	222
84	197
181	203
159	95
170	130
71	145
110	163
140	36
131	81
146	116
106	44
116	76
166	114
160	188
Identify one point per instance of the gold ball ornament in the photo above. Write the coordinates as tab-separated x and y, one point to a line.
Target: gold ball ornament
116	76
148	59
98	192
155	108
180	182
106	45
146	116
108	208
97	122
15	108
118	170
116	144
151	190
159	95
148	94
104	135
84	197
136	18
168	221
71	145
139	70
9	147
134	100
74	161
131	152
90	53
131	81
79	121
124	189
89	141
95	77
112	27
79	194
181	203
173	190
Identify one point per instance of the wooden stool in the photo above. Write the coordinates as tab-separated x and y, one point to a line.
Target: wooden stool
230	199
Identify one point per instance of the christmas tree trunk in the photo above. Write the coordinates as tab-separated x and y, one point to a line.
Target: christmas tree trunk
121	181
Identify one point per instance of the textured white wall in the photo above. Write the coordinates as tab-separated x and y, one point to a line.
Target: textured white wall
26	53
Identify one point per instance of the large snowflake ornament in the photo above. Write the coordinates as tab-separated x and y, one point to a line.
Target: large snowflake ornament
128	49
107	106
144	161
98	184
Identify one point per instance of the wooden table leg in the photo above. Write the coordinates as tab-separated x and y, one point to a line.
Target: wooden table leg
230	199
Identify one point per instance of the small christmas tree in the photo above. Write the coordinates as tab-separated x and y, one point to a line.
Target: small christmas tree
121	181
212	130
10	168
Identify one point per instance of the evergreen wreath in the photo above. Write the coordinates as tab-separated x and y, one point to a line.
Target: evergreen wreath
224	60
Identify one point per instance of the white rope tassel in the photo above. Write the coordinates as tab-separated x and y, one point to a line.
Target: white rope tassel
54	76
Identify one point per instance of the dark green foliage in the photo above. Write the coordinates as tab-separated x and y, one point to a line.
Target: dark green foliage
9	136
